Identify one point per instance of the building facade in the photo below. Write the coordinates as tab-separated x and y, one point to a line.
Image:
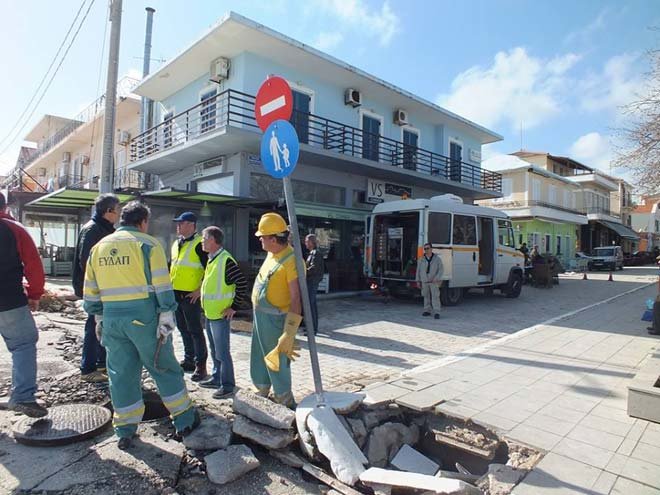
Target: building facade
363	141
645	220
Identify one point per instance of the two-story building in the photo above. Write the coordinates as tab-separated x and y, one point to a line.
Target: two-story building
363	140
645	220
541	204
594	198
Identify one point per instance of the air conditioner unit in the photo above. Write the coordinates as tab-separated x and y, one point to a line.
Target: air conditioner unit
66	156
219	69
124	138
353	97
400	117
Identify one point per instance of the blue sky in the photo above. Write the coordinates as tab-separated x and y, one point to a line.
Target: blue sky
561	69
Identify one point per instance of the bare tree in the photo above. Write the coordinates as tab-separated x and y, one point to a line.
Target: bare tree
640	148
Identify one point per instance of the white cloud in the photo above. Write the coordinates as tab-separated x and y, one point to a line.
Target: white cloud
616	85
327	41
585	32
382	24
594	150
517	88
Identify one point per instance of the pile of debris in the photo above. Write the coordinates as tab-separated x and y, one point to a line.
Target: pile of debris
62	301
68	388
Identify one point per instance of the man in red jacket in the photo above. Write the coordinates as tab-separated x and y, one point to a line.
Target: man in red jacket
19	257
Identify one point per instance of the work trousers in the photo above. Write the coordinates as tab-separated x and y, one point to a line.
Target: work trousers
218	332
20	334
431	293
131	342
189	322
312	289
93	353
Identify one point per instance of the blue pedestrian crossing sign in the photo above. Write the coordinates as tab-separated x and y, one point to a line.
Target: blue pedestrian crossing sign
280	149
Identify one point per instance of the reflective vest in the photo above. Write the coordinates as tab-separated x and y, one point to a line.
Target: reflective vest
126	266
186	270
216	294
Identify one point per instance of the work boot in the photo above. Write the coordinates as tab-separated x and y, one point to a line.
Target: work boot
189	429
426	313
94	377
437	316
210	383
125	443
200	373
187	365
31	409
221	393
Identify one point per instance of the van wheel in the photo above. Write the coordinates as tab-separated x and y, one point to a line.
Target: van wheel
451	296
513	287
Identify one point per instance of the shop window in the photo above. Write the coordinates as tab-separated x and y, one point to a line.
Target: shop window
464	231
265	187
439	228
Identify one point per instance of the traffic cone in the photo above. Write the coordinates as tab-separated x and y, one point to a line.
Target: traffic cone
610	279
584	276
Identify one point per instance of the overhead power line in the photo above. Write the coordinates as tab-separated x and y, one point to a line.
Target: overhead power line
45	89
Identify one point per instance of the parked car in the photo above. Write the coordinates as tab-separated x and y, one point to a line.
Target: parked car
583	261
639	258
607	258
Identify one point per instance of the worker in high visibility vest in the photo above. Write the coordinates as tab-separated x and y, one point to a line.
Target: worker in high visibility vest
277	312
127	288
223	290
186	273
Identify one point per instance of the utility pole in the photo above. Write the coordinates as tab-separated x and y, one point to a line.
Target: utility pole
147	108
107	162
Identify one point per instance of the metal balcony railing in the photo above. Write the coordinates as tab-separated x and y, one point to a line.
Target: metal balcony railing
530	203
133	180
592	210
233	108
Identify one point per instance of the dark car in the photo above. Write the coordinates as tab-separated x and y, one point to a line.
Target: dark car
639	258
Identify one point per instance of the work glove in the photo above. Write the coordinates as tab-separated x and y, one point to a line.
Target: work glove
99	327
286	344
166	324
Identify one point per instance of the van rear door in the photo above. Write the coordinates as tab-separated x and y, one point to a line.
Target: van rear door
465	249
395	239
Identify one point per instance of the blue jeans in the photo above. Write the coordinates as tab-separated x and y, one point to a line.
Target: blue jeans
93	353
20	333
312	288
218	332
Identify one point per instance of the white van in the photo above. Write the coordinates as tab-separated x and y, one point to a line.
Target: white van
476	245
607	257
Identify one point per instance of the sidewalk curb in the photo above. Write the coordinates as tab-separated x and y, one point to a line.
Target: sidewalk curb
484	347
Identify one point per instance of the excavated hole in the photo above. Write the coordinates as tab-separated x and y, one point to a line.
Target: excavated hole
154	409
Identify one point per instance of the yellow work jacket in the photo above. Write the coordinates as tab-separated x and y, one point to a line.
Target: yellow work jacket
217	295
186	270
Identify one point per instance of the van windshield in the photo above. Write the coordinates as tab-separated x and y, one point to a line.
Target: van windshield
604	252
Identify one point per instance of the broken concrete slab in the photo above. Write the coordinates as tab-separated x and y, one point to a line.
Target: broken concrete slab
359	431
378	476
230	464
501	479
386	440
336	444
411	460
212	434
262	410
380	415
271	438
412	384
384	394
424	400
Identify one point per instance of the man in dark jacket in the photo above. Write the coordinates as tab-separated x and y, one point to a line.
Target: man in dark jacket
315	268
19	257
106	214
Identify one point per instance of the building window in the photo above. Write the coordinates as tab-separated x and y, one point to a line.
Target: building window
552	195
558	245
548	243
507	191
455	161
167	129
439	228
536	189
410	144
266	187
464	231
207	111
300	115
370	137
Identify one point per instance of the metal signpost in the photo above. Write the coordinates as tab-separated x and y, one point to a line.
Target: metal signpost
280	150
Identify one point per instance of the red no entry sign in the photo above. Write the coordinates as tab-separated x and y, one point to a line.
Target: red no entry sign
274	101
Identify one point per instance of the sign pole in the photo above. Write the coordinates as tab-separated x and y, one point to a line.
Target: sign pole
304	295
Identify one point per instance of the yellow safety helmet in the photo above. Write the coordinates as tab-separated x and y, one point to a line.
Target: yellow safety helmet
271	224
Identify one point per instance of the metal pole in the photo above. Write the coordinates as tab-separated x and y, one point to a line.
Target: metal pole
145	121
302	280
107	165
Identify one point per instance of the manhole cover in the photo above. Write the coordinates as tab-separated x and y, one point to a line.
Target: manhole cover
64	425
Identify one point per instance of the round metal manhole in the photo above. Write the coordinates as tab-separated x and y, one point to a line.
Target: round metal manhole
64	424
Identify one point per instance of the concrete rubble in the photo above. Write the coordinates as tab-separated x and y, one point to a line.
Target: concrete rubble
500	479
266	436
230	464
262	410
386	440
400	479
409	459
213	433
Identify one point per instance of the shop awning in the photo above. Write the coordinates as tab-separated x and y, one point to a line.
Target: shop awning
200	197
72	198
620	229
321	211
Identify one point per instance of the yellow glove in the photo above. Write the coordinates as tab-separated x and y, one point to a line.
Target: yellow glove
286	344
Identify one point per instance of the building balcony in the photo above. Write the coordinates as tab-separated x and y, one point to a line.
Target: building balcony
539	209
226	124
601	213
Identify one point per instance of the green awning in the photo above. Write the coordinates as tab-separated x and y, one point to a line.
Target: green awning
620	229
72	198
200	197
322	211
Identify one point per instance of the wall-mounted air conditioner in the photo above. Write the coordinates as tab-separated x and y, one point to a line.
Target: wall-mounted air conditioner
400	117
124	138
353	97
219	69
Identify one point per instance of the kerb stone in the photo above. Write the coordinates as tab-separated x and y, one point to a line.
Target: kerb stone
271	438
262	410
229	464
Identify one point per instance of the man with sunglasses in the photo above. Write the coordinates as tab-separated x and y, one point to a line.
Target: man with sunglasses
429	276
